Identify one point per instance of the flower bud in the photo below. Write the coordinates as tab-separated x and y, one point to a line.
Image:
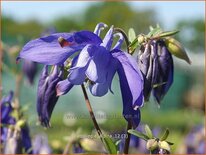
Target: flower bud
152	144
46	96
164	145
177	49
140	39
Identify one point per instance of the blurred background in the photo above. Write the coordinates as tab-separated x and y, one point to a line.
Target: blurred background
181	110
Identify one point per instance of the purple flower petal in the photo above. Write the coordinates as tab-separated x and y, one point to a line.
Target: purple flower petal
92	62
63	87
131	80
46	96
98	65
108	39
166	70
26	139
131	115
47	50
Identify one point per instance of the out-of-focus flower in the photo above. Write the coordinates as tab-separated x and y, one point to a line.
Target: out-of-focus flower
6	118
14	133
195	141
40	145
12	143
77	148
46	95
156	65
30	70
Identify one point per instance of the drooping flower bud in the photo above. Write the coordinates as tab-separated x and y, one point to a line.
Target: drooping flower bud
156	65
46	98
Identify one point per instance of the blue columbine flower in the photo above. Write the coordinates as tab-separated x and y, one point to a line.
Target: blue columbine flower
156	65
96	63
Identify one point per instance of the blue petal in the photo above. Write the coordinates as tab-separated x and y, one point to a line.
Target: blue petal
47	50
131	80
26	139
99	27
92	62
100	89
46	98
145	63
98	65
131	115
79	66
108	39
63	87
166	71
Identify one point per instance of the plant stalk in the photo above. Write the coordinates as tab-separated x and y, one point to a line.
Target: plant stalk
127	141
89	107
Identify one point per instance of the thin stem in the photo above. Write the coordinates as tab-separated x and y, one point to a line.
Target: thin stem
68	148
18	85
124	35
1	64
89	107
127	141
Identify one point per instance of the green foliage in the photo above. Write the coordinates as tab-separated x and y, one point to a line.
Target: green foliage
110	145
12	30
139	134
192	34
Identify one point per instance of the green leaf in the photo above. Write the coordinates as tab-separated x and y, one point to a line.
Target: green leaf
170	143
118	142
151	28
153	32
131	35
148	131
133	46
138	134
165	135
110	145
168	33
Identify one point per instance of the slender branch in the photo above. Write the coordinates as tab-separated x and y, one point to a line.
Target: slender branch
1	64
125	37
127	141
68	148
18	85
89	107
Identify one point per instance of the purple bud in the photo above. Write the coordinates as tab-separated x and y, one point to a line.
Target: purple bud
156	65
6	109
30	70
46	95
